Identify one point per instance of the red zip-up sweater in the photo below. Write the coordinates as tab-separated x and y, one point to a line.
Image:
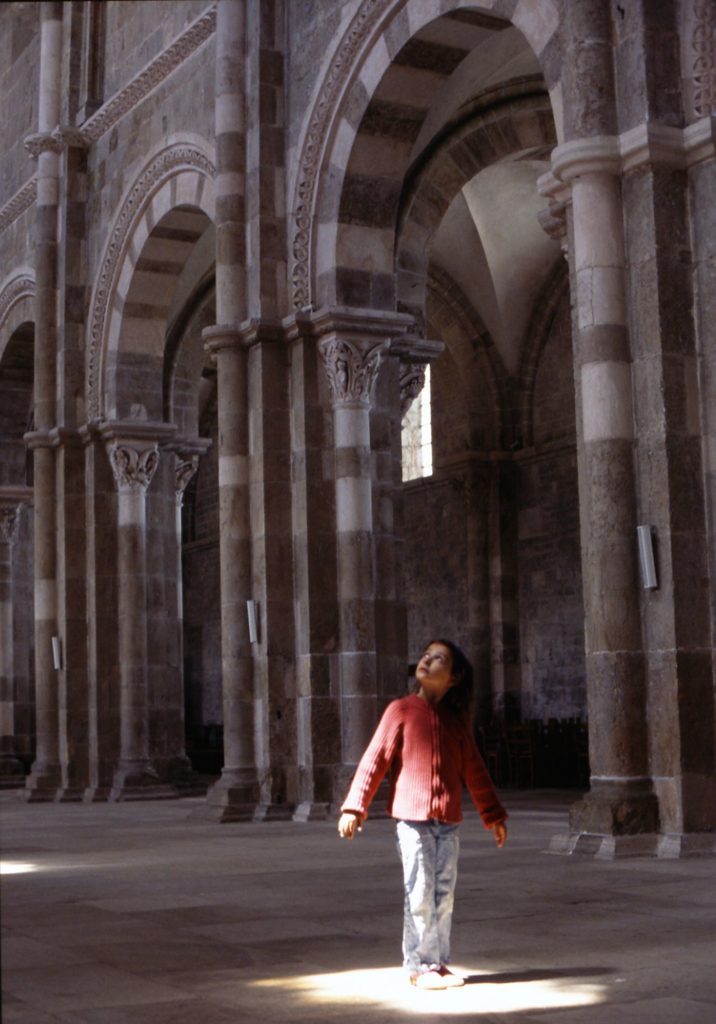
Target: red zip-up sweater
430	755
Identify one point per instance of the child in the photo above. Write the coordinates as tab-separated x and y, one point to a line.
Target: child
425	741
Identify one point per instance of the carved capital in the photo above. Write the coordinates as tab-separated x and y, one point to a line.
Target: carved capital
412	382
9	522
703	53
134	464
352	368
554	223
42	142
185	466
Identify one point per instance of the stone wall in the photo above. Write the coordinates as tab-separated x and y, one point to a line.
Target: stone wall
19	57
180	107
136	33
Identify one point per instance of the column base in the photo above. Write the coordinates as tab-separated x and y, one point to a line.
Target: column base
311	811
43	783
234	797
10	781
616	807
12	772
96	794
69	795
661	847
139	781
273	812
618	817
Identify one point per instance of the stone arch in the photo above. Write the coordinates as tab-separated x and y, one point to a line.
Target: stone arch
170	197
17	341
17	296
519	127
383	40
187	367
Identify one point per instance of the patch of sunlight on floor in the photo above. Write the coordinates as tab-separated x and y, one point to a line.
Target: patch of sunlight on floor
16	867
389	987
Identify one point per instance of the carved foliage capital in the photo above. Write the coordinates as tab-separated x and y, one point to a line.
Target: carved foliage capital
133	464
412	382
554	223
185	466
42	142
352	368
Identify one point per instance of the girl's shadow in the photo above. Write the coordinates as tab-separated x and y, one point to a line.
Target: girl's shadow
537	974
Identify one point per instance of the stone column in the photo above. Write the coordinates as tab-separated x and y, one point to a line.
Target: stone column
186	463
621	801
12	771
134	455
235	796
272	568
352	347
45	777
314	568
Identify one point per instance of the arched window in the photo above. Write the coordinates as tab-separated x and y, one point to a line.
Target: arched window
417	436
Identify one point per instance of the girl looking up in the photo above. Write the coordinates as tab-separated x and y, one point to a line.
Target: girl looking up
425	741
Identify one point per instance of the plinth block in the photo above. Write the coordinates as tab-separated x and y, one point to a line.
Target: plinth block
661	847
614	808
311	811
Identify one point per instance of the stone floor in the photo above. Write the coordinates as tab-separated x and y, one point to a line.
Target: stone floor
146	914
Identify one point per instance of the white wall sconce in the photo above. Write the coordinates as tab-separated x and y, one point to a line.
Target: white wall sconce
649	579
56	653
252	611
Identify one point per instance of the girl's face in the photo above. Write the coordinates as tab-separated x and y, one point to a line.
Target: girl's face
434	673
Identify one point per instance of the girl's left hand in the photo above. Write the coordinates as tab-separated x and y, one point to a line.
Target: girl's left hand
499	830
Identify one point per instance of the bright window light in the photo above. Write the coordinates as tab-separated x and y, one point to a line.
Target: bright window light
417	435
389	987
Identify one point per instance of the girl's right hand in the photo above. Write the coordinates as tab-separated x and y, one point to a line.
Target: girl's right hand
348	824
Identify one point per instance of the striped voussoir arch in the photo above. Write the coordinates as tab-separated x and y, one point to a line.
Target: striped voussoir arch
520	126
135	364
160	221
376	127
17	305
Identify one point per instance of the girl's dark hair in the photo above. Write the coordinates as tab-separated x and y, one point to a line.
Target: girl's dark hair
459	698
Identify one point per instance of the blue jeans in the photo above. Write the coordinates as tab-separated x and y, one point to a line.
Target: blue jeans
429	852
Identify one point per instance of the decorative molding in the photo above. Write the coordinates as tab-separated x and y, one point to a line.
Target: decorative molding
21	201
703	46
20	287
166	165
597	154
133	465
201	29
352	368
151	76
67	135
368	14
646	145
